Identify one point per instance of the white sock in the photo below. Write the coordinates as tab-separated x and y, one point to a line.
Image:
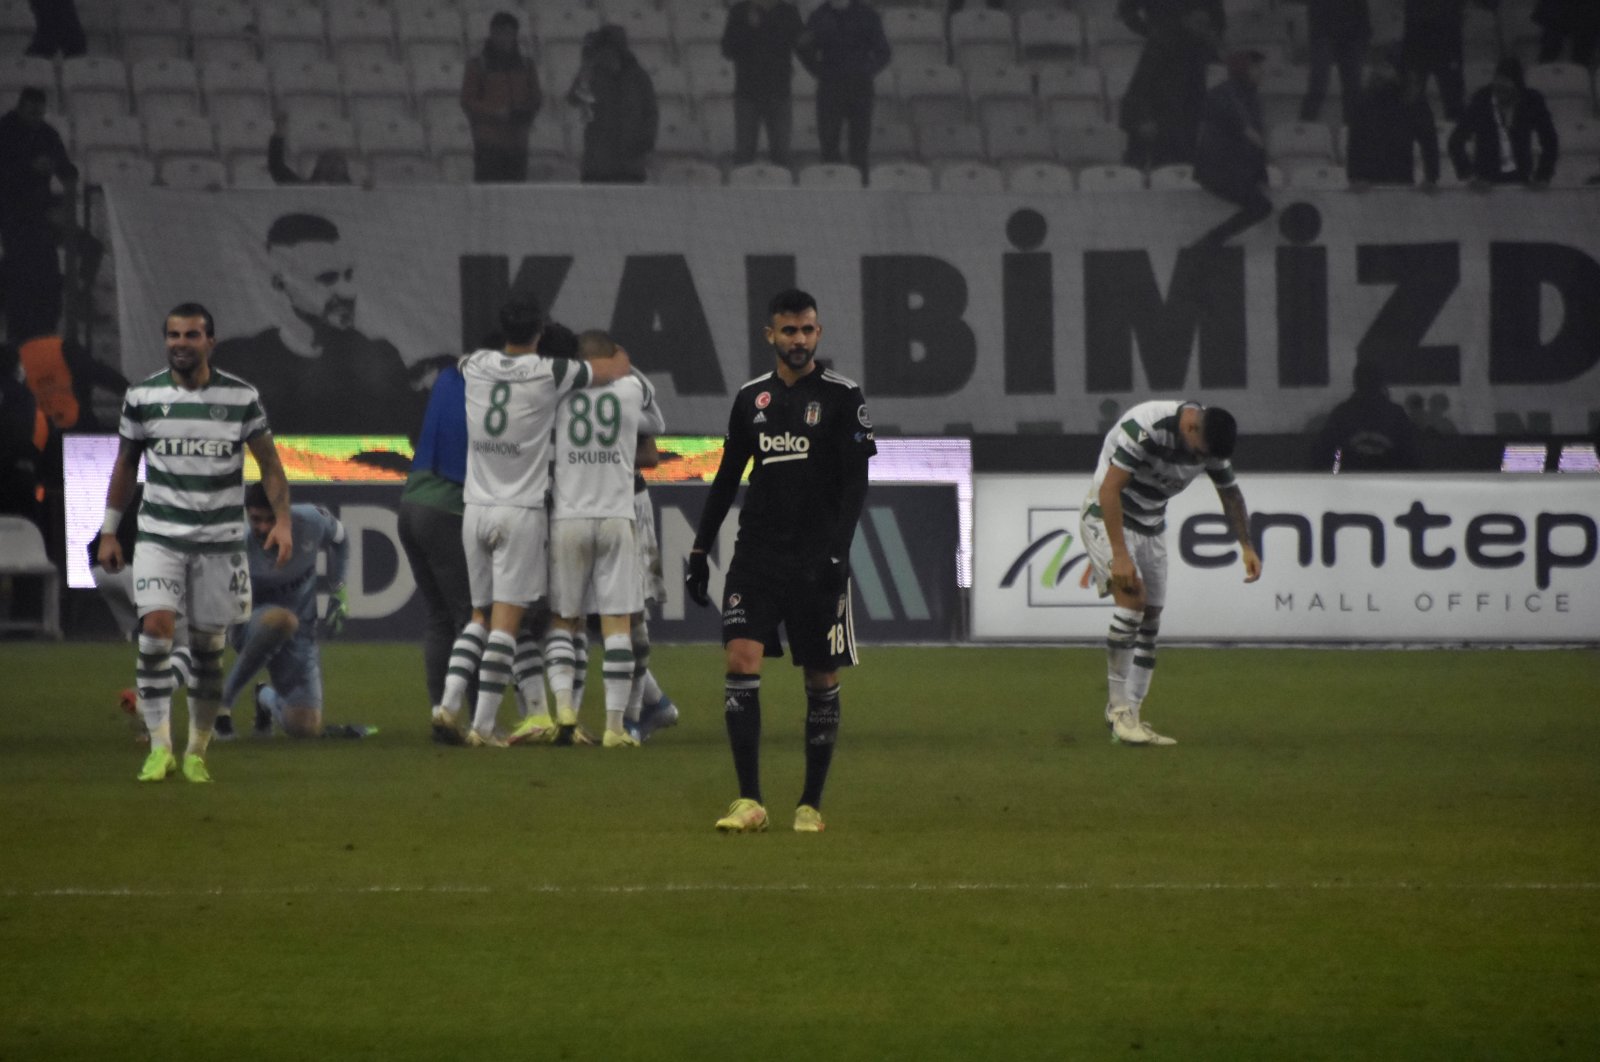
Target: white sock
155	680
494	674
1119	652
559	667
617	677
205	691
1144	666
527	671
464	657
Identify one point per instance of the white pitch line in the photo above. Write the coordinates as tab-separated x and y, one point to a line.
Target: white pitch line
671	888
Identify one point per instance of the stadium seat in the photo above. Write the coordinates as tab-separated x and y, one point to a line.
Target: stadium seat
900	177
221	24
1577	136
671	82
1317	176
945	141
103	132
308	137
1049	35
1575	171
448	129
391	136
696	23
559	172
1173	177
307	88
970	177
249	171
455	168
152	78
291	22
1001	93
94	77
556	20
178	134
645	25
16	19
192	171
235	77
918	30
242	135
118	167
982	36
18	72
402	169
1019	142
1110	42
892	139
931	92
1072	94
829	175
760	175
1295	141
1110	178
149	29
22	555
688	173
367	77
716	118
681	136
1562	82
709	73
428	22
437	75
361	27
1090	144
1264	30
378	109
1283	91
1040	178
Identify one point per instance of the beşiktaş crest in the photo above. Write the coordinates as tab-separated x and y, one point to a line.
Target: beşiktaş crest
813	414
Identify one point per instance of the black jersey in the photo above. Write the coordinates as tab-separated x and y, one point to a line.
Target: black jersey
810	443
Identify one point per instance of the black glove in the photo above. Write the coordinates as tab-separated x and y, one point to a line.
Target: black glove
697	578
834	575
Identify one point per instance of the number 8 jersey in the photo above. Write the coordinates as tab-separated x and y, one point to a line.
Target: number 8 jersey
596	434
511	406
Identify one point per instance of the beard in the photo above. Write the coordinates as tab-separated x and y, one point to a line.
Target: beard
796	359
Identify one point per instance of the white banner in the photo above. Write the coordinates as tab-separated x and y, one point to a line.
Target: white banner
989	311
1398	558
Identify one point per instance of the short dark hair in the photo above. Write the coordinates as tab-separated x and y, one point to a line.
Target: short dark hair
558	341
1219	430
595	343
255	496
792	300
521	319
190	309
32	94
292	229
503	18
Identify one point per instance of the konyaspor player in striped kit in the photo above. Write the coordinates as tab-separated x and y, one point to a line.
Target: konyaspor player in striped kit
1153	452
191	423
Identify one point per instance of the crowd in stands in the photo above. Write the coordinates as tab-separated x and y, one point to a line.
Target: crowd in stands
1034	94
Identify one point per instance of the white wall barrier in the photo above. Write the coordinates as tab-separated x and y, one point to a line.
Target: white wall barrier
1400	558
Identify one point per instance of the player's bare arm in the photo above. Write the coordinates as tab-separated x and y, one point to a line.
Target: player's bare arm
608	369
124	475
1238	517
1124	577
276	482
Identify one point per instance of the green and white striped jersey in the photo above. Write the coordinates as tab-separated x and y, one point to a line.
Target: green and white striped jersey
194	443
511	408
597	433
1145	442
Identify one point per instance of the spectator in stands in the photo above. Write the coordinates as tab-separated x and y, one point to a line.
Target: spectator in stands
1500	124
331	167
56	29
1337	32
316	372
845	48
1144	16
1389	117
1231	155
31	156
1160	111
500	93
618	103
759	39
24	433
1563	20
1367	432
1433	44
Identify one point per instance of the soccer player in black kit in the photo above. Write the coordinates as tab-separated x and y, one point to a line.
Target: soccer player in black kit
808	431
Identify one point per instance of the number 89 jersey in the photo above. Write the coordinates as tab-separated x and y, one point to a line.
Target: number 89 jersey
511	406
596	434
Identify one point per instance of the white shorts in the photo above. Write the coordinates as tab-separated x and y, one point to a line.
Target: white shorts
1149	554
212	590
652	582
592	567
507	559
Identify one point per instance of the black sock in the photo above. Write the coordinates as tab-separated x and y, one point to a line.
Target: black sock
741	710
822	732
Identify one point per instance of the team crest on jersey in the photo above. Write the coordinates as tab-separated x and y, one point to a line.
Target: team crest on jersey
734	599
217	413
813	413
237	560
764	399
861	415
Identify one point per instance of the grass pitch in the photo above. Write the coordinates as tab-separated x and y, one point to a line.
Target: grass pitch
1348	855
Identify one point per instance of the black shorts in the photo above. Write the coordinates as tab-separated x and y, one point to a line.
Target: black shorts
757	597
